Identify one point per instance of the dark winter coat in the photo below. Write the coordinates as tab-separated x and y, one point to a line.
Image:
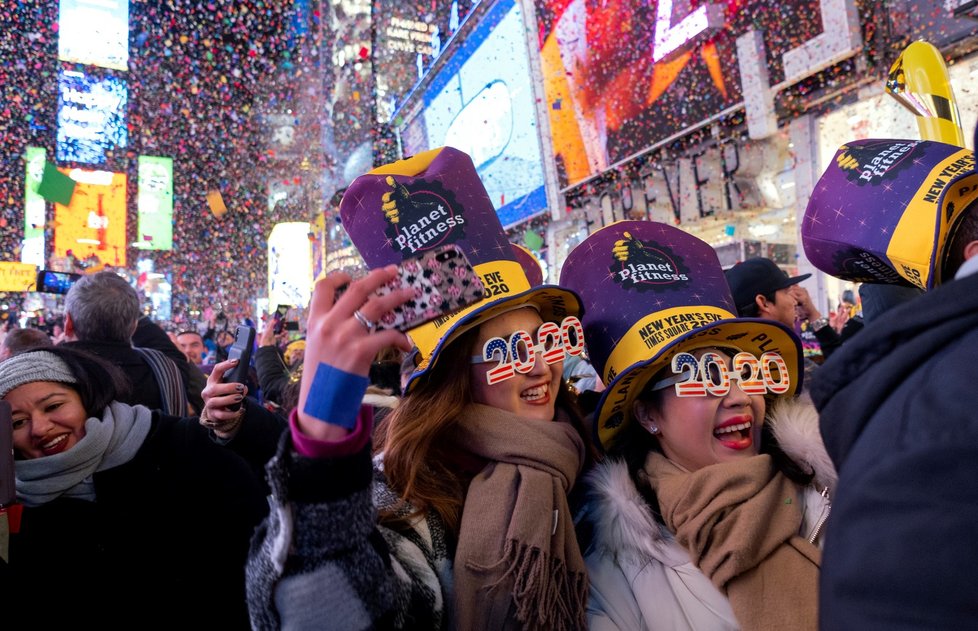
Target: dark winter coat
164	544
899	410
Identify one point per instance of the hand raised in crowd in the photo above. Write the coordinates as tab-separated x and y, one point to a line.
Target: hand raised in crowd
805	308
268	335
342	337
218	397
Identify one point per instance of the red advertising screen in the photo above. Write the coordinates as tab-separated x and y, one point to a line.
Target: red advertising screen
623	75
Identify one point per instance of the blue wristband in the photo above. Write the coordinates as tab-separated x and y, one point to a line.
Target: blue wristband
335	395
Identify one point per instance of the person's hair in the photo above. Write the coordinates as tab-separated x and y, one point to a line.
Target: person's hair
20	340
413	438
103	307
752	310
99	382
965	232
190	332
636	442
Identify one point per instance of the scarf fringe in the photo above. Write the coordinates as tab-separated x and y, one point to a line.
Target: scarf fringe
546	595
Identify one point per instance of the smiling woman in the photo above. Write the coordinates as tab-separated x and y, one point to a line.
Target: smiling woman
700	519
119	476
465	518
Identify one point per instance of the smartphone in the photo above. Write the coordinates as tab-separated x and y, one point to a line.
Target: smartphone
292	325
8	490
244	342
278	318
443	281
51	282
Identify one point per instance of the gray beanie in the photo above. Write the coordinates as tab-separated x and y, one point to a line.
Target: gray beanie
33	366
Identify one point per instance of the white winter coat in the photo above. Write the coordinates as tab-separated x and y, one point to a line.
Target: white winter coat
641	579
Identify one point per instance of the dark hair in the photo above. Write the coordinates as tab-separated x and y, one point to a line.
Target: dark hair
752	310
21	340
99	383
636	442
962	233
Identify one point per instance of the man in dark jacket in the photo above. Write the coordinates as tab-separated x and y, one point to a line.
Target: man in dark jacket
102	317
899	415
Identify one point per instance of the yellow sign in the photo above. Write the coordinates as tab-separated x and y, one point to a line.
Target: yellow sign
17	276
95	222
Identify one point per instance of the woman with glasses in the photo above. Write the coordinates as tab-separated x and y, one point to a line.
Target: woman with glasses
710	508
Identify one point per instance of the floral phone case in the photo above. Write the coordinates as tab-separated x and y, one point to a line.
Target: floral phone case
443	281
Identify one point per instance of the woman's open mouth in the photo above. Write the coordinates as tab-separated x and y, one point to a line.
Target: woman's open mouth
536	395
735	434
55	445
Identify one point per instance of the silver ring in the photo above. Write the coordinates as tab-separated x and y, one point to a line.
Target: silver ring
362	319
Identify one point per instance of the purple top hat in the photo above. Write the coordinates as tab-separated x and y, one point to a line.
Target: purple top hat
650	291
400	210
882	211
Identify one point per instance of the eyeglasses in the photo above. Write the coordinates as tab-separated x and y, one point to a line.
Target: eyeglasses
518	353
709	374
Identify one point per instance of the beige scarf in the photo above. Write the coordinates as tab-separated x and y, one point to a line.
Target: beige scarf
740	521
517	564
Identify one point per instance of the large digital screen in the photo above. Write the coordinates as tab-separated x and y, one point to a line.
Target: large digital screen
481	102
409	37
94	224
622	75
94	33
290	264
91	117
154	202
34	208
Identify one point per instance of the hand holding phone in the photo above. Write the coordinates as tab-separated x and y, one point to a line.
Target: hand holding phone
443	281
244	342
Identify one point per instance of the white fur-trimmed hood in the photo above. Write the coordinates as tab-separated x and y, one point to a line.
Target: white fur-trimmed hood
623	525
795	426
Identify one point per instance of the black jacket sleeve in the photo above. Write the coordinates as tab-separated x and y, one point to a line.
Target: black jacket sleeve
273	374
148	334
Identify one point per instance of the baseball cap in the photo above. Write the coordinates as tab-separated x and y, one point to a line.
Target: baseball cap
757	276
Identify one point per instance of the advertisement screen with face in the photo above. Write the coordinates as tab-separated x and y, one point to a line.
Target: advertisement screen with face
481	102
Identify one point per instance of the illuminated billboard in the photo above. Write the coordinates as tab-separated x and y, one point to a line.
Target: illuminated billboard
154	202
34	208
289	264
94	33
409	37
481	101
94	224
91	117
622	76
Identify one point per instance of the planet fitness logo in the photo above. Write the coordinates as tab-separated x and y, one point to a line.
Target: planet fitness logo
421	216
875	162
647	266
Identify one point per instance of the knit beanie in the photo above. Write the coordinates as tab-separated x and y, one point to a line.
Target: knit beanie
33	366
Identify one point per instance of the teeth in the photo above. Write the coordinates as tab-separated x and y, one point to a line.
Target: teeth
532	394
732	428
54	442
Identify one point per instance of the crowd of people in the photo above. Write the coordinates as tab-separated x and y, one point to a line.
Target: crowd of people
642	445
